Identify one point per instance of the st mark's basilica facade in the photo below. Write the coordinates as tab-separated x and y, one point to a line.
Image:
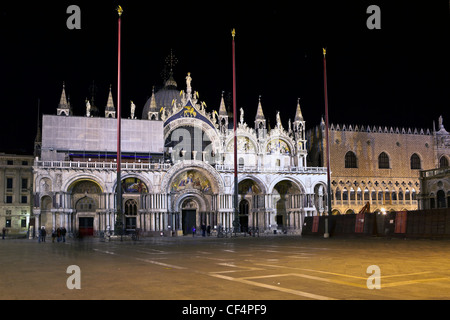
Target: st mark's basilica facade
177	168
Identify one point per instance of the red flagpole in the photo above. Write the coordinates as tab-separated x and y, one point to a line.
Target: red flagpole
236	207
326	235
119	219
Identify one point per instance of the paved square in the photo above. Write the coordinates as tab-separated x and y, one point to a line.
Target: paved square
264	268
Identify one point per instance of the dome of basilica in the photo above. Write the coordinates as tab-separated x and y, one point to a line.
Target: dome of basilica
164	97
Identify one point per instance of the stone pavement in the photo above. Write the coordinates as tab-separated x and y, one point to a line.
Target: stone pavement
251	268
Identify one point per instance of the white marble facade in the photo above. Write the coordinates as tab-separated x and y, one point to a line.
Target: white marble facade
192	181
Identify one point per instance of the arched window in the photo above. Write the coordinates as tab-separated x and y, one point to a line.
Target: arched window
338	194
443	162
345	194
394	196
86	204
350	160
415	162
413	195
383	161
131	207
243	207
380	196
374	195
352	194
366	195
387	196
441	199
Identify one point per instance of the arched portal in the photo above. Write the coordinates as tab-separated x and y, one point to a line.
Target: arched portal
287	200
85	195
189	210
197	181
46	213
86	207
251	203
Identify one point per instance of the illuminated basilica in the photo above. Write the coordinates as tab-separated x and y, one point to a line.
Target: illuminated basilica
177	168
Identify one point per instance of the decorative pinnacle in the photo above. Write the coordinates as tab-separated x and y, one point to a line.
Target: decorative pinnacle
233	32
119	10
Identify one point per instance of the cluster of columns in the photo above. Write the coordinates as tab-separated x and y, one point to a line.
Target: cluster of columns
153	214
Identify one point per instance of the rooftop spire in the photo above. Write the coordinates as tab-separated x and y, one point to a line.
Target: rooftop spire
153	107
110	103
63	106
223	109
63	100
110	110
259	112
298	114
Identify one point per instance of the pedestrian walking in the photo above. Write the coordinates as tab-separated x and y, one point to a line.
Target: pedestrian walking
53	234
63	234
3	233
203	230
208	230
193	231
58	234
42	234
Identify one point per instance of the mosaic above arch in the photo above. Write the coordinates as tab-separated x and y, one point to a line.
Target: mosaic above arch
134	185
191	179
85	186
244	145
278	146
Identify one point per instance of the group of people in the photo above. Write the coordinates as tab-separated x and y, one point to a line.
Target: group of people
59	234
206	230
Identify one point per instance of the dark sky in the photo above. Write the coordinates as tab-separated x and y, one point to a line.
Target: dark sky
396	76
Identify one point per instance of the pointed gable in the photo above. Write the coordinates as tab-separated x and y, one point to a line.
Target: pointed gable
298	114
222	108
259	112
110	110
63	106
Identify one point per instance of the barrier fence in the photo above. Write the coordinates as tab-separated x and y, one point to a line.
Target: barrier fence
421	223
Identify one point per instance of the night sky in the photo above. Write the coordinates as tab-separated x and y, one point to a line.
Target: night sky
396	76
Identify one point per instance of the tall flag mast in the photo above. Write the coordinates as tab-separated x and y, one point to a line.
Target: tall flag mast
236	206
119	218
326	235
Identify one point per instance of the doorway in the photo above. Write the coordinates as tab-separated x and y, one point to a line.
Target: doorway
189	221
86	226
281	213
130	223
243	215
